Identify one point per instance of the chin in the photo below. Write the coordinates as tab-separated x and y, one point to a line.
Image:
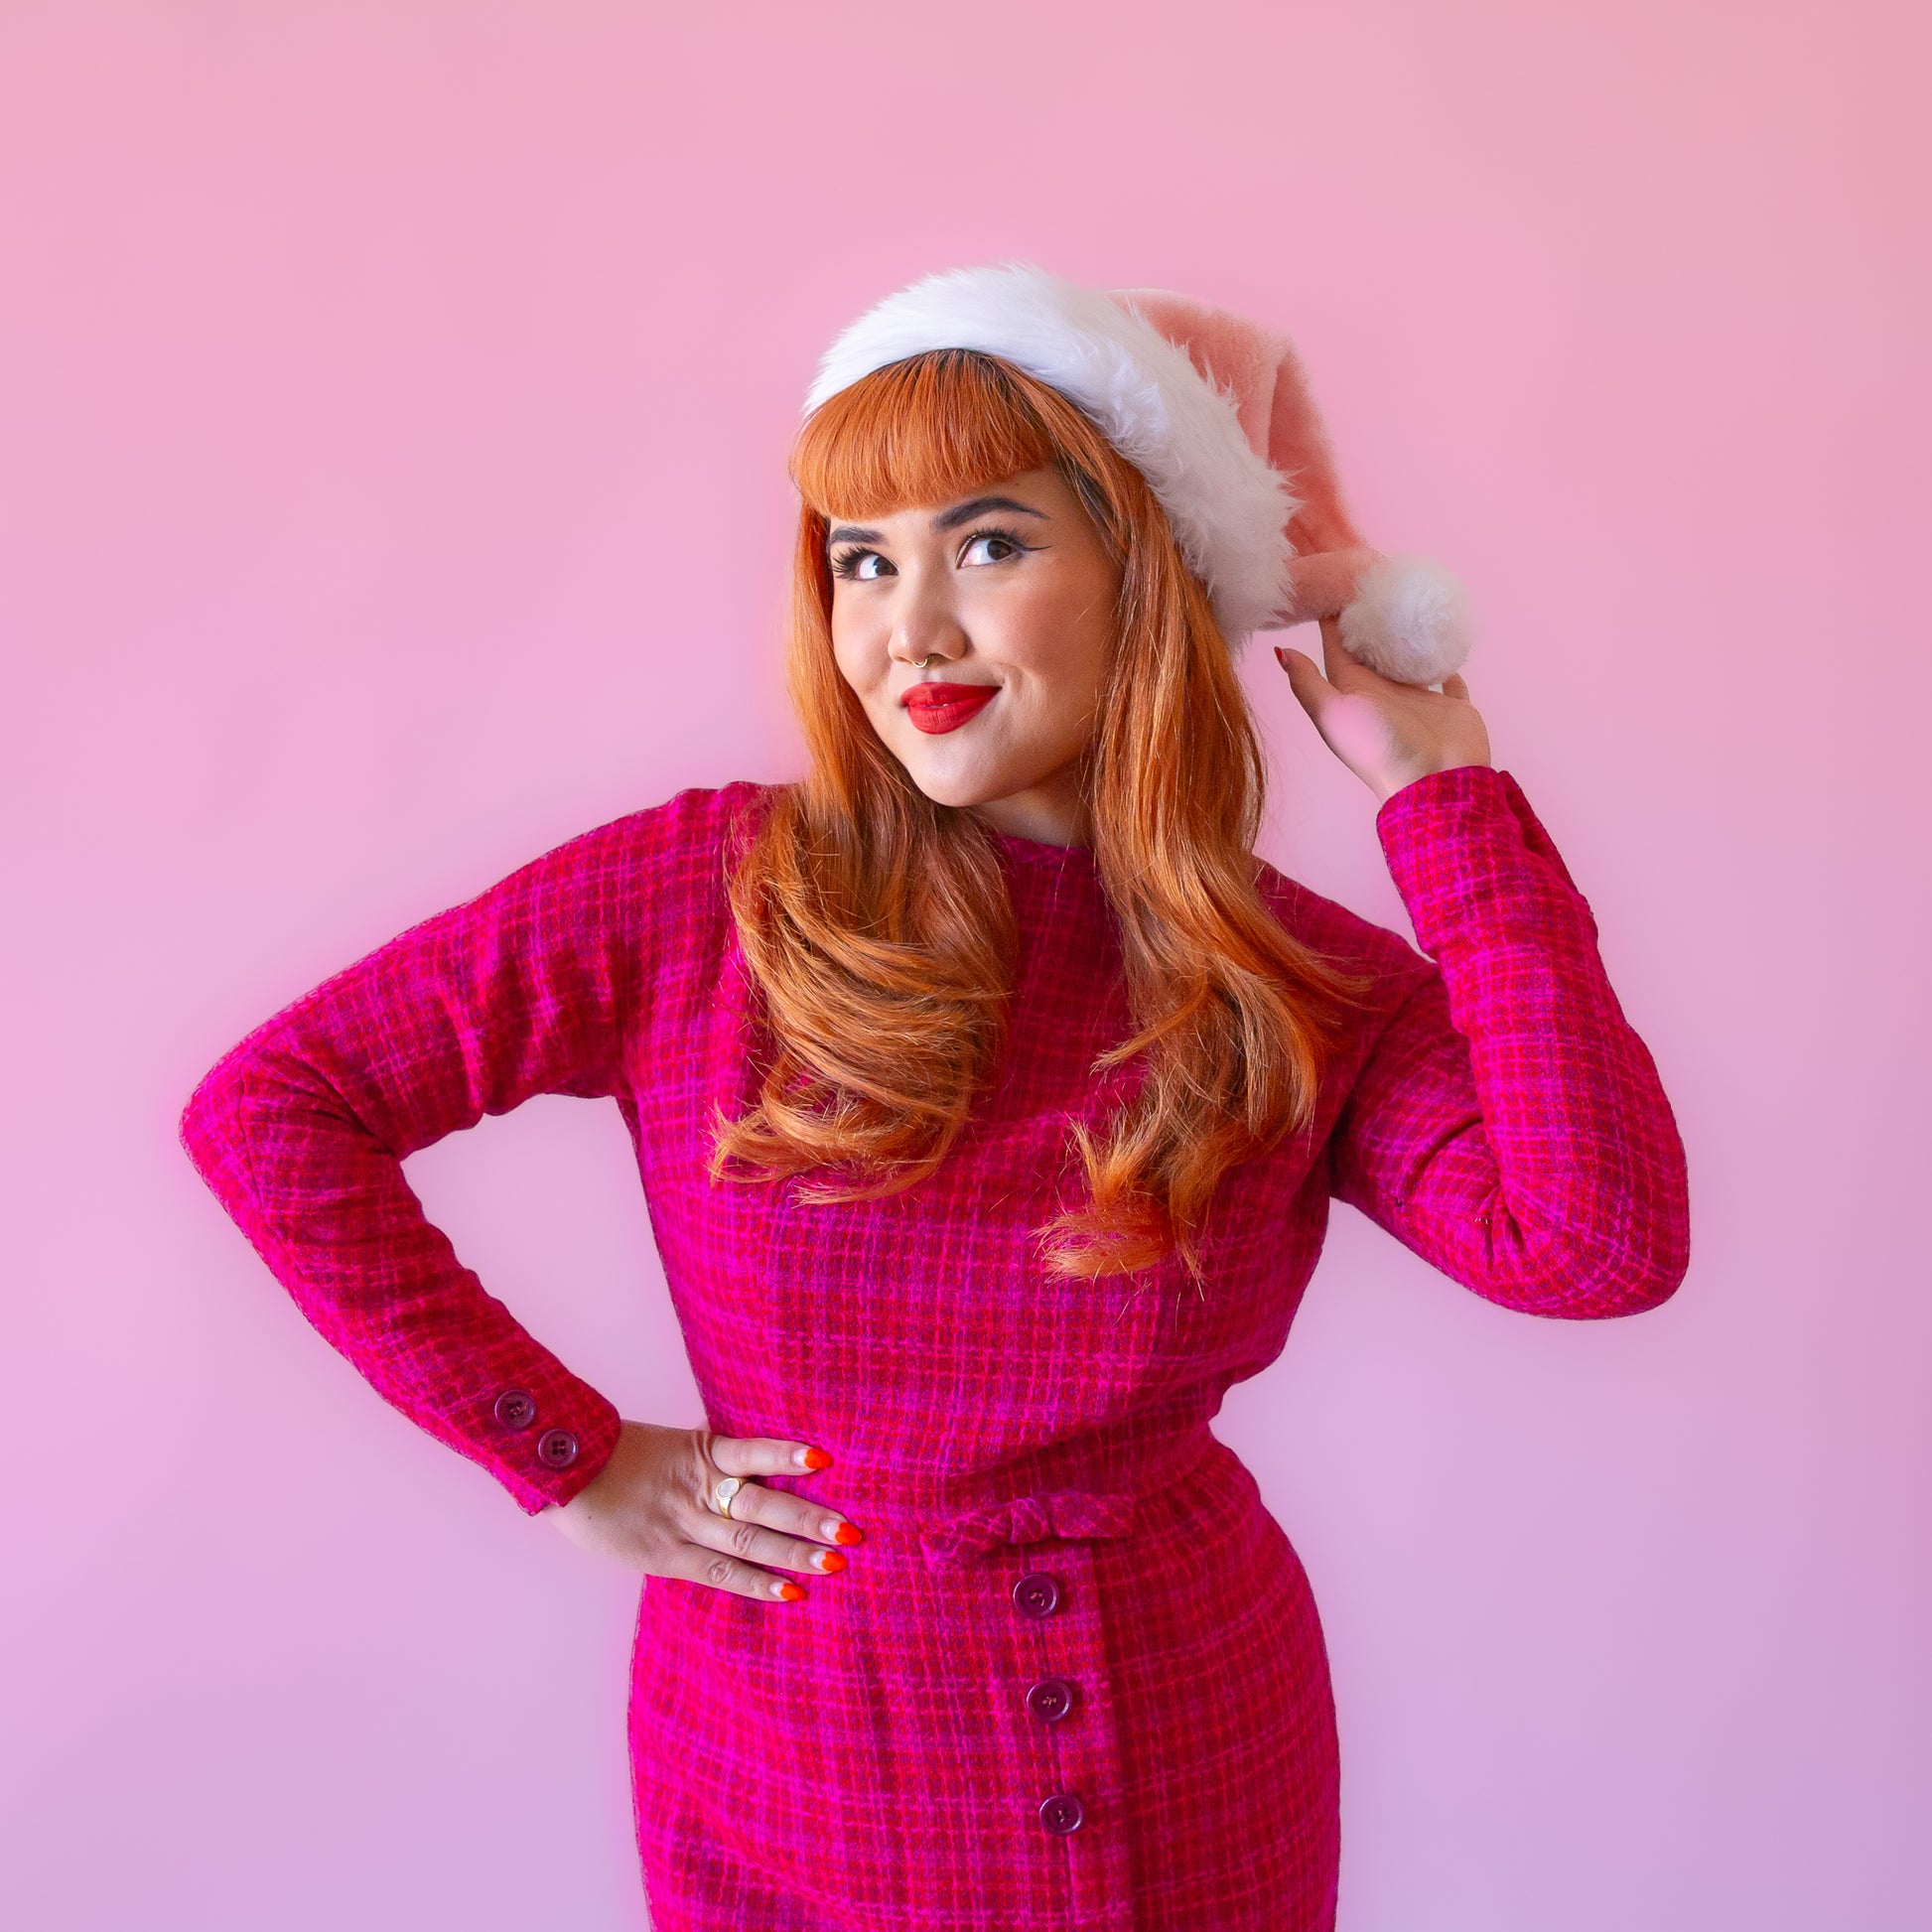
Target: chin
947	789
952	770
957	783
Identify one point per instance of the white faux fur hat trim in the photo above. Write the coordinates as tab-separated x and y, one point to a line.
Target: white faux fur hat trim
1229	508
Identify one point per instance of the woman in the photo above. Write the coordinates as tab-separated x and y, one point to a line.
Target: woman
988	1097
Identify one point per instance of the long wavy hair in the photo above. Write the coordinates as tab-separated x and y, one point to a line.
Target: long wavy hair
876	925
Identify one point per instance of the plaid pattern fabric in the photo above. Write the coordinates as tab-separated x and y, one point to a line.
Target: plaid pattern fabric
1074	1677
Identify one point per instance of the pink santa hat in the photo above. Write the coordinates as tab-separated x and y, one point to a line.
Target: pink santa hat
1216	412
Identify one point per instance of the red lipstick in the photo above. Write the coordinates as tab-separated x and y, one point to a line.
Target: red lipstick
945	707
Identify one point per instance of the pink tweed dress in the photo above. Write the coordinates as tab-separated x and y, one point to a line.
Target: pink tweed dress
1074	1677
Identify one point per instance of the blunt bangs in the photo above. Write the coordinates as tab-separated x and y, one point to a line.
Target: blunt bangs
924	431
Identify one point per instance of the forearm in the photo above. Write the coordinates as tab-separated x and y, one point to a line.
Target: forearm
1512	1125
331	1215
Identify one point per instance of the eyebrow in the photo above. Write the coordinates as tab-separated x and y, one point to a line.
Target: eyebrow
947	520
978	506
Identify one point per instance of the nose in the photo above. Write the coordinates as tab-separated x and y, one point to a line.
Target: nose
925	623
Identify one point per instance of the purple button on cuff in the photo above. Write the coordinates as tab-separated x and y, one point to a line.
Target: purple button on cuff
557	1449
516	1409
1062	1813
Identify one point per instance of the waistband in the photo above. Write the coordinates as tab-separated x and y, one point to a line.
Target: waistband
1069	1507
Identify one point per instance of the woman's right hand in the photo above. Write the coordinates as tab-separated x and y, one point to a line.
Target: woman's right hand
647	1508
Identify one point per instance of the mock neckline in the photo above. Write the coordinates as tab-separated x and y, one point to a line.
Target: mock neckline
1041	852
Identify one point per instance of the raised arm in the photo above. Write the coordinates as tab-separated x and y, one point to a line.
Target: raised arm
302	1128
1508	1124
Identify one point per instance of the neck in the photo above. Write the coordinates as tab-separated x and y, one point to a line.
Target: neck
1053	812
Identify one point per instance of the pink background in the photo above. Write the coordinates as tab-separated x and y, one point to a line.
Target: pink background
393	398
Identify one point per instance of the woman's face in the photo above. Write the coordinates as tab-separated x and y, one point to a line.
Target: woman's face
1009	594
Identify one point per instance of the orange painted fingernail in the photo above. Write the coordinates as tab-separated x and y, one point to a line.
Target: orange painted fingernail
790	1592
815	1458
848	1533
828	1560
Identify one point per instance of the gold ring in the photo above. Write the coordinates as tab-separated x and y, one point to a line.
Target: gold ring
722	1492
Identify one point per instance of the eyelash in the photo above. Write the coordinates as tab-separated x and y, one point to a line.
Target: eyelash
844	563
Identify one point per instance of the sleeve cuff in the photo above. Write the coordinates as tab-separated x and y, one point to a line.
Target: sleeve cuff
1464	848
544	1439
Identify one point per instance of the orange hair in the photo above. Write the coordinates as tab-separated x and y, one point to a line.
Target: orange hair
876	923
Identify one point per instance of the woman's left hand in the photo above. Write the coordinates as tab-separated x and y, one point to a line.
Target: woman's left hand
1388	734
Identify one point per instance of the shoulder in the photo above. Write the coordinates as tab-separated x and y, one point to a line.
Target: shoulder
653	878
699	820
1329	927
684	844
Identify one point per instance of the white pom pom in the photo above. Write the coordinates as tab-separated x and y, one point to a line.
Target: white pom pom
1410	620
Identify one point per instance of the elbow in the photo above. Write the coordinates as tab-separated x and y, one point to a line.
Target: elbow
210	1128
1618	1246
1669	1261
1633	1289
1598	1280
196	1129
1651	1250
1614	1253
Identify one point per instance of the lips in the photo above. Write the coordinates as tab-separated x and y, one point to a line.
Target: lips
945	707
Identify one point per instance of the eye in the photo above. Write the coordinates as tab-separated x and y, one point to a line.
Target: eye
859	566
991	547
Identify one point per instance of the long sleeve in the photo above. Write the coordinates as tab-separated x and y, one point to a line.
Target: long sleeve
1508	1125
301	1131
